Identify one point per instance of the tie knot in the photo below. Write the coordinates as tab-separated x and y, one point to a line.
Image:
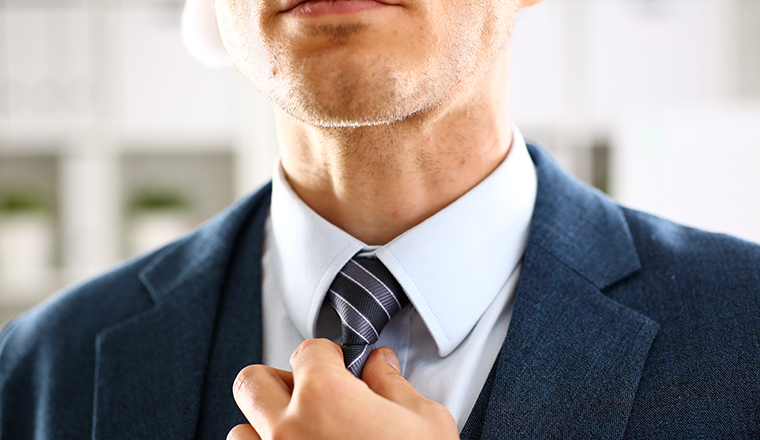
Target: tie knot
366	296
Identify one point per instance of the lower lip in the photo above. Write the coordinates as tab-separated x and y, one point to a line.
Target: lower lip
317	8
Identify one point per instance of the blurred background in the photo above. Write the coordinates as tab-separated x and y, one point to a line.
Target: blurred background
113	140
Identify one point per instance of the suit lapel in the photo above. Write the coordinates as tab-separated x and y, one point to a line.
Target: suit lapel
151	369
238	334
571	362
572	359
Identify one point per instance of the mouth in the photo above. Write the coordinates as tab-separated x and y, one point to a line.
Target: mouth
314	8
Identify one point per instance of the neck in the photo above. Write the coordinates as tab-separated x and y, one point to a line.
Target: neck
376	182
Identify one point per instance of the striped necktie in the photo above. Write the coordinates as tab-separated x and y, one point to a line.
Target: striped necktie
366	296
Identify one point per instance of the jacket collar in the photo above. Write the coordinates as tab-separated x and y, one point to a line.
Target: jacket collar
580	226
150	369
572	359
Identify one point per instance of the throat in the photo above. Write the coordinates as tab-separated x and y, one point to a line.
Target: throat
377	182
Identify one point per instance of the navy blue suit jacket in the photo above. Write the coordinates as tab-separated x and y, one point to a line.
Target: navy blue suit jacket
625	326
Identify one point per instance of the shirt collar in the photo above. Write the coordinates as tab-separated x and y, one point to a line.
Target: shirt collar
451	265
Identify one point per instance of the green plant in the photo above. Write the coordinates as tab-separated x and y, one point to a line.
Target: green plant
152	200
19	201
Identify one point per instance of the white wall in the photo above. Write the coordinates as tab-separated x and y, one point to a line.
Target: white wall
666	84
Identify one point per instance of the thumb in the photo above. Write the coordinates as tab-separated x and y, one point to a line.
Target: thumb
381	374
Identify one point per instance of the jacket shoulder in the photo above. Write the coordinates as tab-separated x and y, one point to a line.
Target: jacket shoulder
703	290
83	308
719	263
79	312
49	352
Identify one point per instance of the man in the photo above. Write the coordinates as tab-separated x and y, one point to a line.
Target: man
527	305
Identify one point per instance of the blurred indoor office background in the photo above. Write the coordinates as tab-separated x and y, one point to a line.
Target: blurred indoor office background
114	140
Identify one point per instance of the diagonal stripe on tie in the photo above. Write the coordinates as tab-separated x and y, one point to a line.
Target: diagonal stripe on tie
366	296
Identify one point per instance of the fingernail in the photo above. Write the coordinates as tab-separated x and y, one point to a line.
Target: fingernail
391	358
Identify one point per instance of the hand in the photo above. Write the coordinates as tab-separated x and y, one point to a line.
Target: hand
322	400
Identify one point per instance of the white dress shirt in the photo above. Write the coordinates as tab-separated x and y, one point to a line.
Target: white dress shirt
459	269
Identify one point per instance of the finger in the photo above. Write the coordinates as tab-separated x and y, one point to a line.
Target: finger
317	357
243	432
262	393
381	374
287	378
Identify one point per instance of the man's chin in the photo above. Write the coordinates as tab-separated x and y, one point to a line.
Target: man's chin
358	95
344	121
346	115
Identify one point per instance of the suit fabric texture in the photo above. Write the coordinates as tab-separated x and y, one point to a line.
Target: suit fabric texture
625	326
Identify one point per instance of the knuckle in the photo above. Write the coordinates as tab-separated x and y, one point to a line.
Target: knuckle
247	376
298	352
432	409
240	381
442	415
311	345
239	432
313	386
315	401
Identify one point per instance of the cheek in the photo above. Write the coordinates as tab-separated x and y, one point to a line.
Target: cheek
477	31
242	26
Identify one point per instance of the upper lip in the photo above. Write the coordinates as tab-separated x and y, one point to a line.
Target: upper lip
291	4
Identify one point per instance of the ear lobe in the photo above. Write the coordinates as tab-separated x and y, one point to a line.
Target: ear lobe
527	3
200	33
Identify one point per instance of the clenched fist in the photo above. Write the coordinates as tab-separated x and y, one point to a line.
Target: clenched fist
320	399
